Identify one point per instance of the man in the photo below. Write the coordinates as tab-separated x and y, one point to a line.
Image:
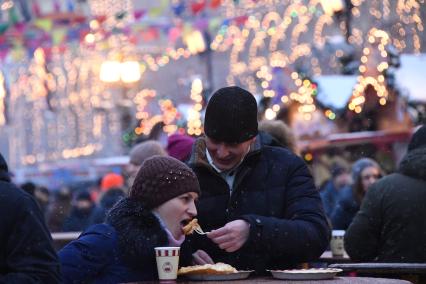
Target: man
391	224
340	178
26	252
258	202
139	153
81	211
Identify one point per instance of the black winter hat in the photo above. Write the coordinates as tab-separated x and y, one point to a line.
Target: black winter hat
160	179
418	139
83	195
231	115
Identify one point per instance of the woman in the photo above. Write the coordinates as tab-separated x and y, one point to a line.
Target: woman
160	203
365	172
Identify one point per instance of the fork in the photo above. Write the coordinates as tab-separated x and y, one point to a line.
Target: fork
200	231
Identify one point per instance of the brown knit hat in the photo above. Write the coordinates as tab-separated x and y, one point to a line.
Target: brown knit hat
161	179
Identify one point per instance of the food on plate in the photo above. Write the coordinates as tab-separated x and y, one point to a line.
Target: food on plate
191	226
217	268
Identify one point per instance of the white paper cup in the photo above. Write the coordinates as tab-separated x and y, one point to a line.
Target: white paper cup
167	262
336	243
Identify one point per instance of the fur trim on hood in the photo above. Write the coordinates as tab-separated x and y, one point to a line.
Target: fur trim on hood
139	232
414	163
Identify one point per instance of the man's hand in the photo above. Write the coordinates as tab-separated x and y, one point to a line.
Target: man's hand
232	236
200	257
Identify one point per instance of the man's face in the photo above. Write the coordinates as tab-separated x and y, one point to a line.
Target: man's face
132	170
227	155
342	180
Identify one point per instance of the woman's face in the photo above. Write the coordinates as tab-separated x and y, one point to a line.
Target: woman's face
369	175
176	212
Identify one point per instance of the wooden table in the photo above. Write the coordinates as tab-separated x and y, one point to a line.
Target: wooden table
415	272
65	236
270	280
383	268
60	239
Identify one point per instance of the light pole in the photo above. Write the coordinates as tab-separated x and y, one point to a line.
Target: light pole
122	73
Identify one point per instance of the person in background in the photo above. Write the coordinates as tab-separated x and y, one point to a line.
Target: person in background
59	209
365	172
179	146
27	255
160	202
259	203
79	217
139	153
391	224
29	187
42	196
108	199
280	135
95	189
340	178
111	180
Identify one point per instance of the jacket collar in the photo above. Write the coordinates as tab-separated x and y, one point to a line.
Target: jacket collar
138	230
199	159
413	163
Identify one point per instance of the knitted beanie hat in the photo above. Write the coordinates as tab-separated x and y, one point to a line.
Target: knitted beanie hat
145	150
231	115
111	180
418	139
162	178
179	146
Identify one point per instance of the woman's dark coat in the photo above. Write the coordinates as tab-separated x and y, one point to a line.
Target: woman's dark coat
26	252
391	224
121	250
274	192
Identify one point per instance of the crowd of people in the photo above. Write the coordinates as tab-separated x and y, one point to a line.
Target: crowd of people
246	184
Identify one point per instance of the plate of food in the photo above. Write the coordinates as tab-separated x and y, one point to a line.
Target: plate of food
306	274
212	272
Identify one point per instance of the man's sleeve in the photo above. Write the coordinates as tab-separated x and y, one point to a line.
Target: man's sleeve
303	234
362	237
30	256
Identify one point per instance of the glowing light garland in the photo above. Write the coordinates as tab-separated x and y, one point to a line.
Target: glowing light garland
64	103
378	40
194	126
273	39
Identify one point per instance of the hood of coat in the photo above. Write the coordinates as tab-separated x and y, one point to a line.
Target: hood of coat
413	163
4	171
138	231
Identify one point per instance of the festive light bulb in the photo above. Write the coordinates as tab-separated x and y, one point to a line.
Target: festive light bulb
110	71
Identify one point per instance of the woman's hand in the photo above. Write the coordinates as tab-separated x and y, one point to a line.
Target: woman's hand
232	236
201	257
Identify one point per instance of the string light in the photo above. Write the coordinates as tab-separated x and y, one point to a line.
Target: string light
64	104
378	40
194	126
